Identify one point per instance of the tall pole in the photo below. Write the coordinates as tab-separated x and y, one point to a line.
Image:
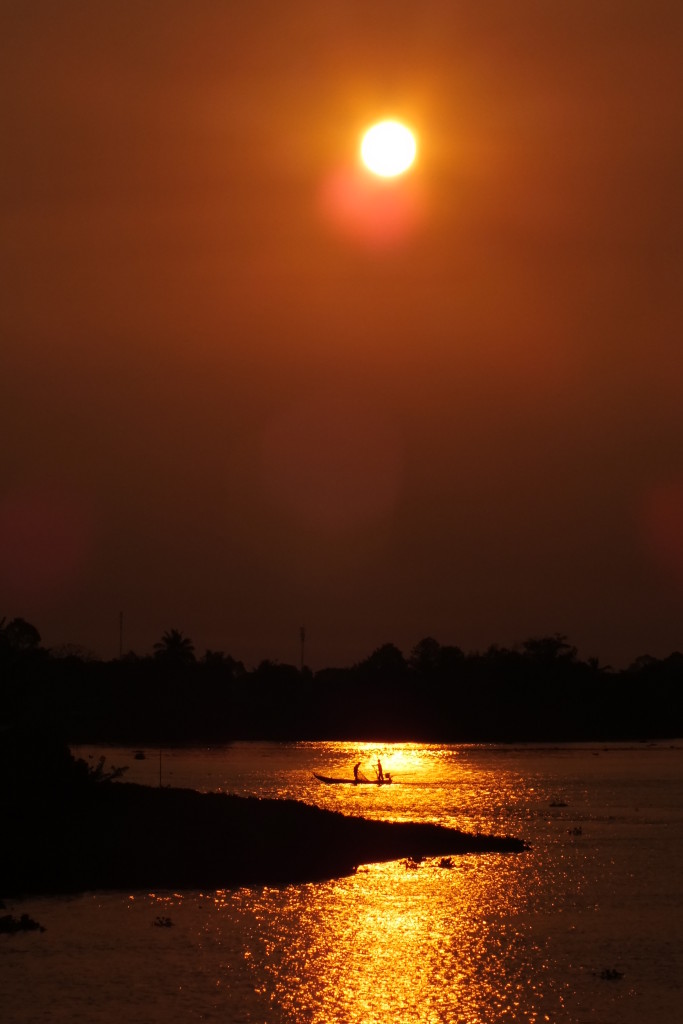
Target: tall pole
120	635
302	637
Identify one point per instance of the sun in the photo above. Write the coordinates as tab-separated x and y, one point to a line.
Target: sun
388	149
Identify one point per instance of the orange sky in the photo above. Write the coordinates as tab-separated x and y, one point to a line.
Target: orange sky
232	404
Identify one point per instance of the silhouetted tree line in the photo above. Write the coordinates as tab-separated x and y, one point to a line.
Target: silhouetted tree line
538	690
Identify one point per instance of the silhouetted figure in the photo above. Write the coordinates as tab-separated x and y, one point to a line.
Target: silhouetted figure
380	773
355	771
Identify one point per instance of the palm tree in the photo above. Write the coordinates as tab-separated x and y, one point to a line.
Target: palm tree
174	648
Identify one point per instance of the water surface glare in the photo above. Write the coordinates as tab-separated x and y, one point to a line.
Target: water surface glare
586	926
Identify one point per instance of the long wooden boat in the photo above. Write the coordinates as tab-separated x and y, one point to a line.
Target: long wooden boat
386	781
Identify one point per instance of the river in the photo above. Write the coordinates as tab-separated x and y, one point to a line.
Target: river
585	926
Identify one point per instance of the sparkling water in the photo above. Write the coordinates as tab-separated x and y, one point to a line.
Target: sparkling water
585	926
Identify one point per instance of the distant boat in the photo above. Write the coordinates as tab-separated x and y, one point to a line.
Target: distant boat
386	781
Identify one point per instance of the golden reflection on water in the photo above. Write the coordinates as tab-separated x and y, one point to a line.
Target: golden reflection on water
425	944
494	939
394	943
443	785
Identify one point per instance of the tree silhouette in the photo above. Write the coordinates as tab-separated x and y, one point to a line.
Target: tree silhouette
220	661
425	656
386	660
174	648
547	650
19	635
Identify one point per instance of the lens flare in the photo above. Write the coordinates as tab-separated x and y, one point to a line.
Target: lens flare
330	470
46	539
664	525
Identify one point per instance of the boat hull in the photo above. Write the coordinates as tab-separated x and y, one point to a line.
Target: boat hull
351	782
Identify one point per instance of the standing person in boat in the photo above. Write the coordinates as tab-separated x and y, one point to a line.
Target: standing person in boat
355	771
380	773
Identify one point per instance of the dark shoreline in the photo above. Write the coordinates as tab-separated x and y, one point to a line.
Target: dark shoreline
123	836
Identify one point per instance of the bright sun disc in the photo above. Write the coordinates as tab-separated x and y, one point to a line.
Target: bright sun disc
388	148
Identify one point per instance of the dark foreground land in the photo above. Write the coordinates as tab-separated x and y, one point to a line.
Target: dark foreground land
73	831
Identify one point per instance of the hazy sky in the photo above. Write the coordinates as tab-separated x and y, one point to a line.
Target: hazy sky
243	388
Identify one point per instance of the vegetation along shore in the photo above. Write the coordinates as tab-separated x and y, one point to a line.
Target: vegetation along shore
538	690
70	828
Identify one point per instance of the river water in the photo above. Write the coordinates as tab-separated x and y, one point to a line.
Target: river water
585	926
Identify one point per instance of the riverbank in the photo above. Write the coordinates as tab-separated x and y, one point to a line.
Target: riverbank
122	836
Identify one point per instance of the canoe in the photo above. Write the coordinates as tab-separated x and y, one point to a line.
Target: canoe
352	782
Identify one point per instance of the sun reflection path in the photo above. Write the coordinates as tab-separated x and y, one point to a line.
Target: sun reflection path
439	785
417	946
422	945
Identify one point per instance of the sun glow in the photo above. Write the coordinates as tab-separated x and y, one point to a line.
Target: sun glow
388	149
